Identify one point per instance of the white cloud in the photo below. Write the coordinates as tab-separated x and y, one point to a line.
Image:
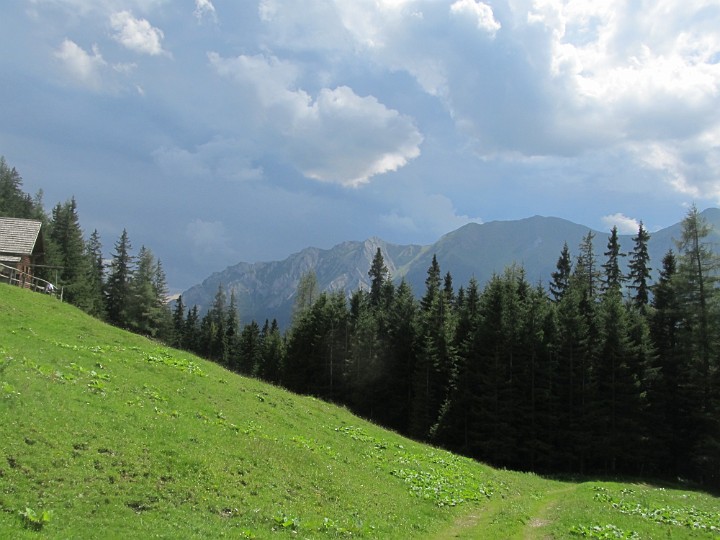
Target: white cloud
137	34
338	137
480	12
624	224
85	67
204	8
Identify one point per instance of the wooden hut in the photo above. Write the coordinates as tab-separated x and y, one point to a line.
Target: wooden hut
21	248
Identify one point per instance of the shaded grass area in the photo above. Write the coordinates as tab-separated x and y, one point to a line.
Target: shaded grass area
107	434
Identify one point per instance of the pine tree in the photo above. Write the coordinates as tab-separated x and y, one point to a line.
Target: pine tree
178	324
378	274
401	354
250	349
613	279
668	410
67	239
191	333
586	272
213	336
117	288
233	338
435	358
13	201
696	281
147	311
272	352
94	276
561	277
306	294
640	269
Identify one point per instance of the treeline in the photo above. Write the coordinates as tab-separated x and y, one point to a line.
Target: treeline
129	291
602	373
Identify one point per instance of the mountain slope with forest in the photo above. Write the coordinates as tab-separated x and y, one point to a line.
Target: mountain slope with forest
266	290
109	434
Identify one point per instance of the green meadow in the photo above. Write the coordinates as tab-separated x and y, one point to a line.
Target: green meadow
105	434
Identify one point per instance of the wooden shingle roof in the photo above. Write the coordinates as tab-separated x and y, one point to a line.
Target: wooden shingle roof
18	236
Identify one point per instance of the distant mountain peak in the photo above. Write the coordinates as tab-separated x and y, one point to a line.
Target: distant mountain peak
266	290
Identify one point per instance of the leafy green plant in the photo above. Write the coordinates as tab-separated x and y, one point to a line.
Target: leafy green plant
603	532
35	520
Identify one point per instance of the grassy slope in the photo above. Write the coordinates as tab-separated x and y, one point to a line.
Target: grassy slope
120	437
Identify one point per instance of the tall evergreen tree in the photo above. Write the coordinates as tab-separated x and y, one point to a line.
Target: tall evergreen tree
668	410
639	268
561	276
117	287
14	202
272	354
232	336
147	311
378	274
613	279
306	294
191	334
401	350
178	324
250	349
696	282
435	358
67	237
94	276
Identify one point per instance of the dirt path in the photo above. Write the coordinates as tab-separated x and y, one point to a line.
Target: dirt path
523	517
536	525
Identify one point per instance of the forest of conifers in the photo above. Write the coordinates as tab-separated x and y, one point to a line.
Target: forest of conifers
604	372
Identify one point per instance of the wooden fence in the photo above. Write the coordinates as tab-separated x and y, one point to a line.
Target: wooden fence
13	276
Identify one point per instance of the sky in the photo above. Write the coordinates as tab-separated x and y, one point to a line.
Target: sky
221	131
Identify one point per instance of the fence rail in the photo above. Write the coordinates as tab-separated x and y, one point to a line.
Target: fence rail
13	276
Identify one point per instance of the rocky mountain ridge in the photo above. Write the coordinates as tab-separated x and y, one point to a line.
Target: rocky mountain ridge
266	290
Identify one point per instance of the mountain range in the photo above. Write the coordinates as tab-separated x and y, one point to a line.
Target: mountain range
266	290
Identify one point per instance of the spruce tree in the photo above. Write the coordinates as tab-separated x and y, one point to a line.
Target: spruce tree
250	349
436	356
378	274
67	239
232	337
639	269
94	276
696	282
178	324
147	311
561	276
668	409
14	202
613	279
117	287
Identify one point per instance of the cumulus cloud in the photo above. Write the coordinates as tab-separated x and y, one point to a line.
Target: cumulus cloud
338	136
85	67
137	34
624	224
480	12
204	8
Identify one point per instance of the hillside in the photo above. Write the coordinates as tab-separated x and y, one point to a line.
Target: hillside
265	290
107	434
